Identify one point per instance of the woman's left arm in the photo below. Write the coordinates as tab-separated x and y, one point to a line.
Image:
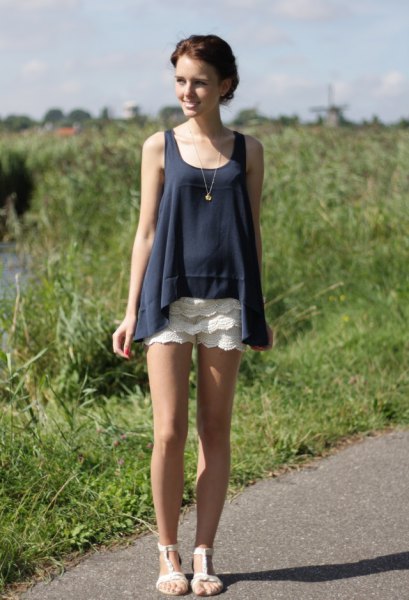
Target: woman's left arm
254	178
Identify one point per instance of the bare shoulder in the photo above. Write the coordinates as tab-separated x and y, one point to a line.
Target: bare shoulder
254	152
253	146
153	148
155	143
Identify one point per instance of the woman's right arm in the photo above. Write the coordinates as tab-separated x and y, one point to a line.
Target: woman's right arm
152	175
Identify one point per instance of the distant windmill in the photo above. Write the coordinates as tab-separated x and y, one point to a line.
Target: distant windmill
333	112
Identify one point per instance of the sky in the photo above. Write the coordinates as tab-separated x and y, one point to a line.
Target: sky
92	54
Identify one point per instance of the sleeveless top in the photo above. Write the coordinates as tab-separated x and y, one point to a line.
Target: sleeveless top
203	249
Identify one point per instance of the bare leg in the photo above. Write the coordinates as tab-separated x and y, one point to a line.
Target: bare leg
168	369
217	376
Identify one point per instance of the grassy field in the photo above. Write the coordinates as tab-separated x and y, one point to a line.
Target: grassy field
75	421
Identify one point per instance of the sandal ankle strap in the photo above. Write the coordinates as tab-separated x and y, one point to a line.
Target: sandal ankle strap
204	551
168	548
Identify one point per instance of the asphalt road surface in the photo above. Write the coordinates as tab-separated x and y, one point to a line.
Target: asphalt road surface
337	529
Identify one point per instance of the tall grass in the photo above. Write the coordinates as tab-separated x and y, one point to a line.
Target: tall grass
75	421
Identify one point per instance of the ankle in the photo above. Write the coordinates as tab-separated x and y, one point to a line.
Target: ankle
203	559
164	545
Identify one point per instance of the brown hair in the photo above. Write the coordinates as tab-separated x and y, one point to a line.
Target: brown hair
214	51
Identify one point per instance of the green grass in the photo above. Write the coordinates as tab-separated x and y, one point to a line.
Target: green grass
75	421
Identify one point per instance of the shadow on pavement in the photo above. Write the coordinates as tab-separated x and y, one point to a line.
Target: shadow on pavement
313	573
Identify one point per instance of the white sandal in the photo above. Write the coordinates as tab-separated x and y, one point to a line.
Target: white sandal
204	576
172	575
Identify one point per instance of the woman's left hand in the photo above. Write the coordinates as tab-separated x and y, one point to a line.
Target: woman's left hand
270	341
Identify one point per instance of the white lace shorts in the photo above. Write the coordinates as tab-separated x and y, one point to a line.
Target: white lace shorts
203	321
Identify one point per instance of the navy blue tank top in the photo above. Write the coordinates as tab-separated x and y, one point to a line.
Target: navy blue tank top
203	249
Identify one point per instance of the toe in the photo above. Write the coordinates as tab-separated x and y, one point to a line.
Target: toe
207	588
172	587
200	591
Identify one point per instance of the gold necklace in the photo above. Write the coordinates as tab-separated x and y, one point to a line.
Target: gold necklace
208	196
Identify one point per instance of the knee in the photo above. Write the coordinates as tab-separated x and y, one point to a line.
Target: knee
170	438
213	433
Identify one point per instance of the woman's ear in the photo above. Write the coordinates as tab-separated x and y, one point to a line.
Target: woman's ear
225	87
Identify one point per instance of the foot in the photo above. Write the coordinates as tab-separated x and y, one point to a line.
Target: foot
205	581
171	579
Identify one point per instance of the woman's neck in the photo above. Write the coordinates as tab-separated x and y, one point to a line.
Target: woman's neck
209	128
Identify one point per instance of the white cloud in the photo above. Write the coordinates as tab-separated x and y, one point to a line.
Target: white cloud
289	60
310	10
112	61
34	68
37	25
342	90
370	87
40	4
393	83
281	84
71	86
94	52
265	34
369	94
246	4
362	96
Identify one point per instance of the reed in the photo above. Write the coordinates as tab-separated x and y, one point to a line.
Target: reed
75	421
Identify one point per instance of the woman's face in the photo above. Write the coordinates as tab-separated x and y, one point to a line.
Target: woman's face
198	87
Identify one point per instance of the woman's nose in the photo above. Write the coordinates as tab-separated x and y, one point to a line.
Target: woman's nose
188	89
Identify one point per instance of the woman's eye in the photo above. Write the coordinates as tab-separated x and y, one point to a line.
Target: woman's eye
197	82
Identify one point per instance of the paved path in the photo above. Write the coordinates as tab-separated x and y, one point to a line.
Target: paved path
337	530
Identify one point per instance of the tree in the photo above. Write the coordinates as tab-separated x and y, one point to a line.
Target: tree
171	115
105	114
78	115
54	115
376	122
286	120
249	116
18	122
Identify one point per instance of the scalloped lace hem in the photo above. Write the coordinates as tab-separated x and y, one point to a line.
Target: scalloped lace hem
212	322
230	340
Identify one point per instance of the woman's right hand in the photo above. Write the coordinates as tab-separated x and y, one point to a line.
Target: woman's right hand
123	336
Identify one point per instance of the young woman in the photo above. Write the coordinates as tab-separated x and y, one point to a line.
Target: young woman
195	279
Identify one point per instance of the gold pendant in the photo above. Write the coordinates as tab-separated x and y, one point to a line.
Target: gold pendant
208	197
